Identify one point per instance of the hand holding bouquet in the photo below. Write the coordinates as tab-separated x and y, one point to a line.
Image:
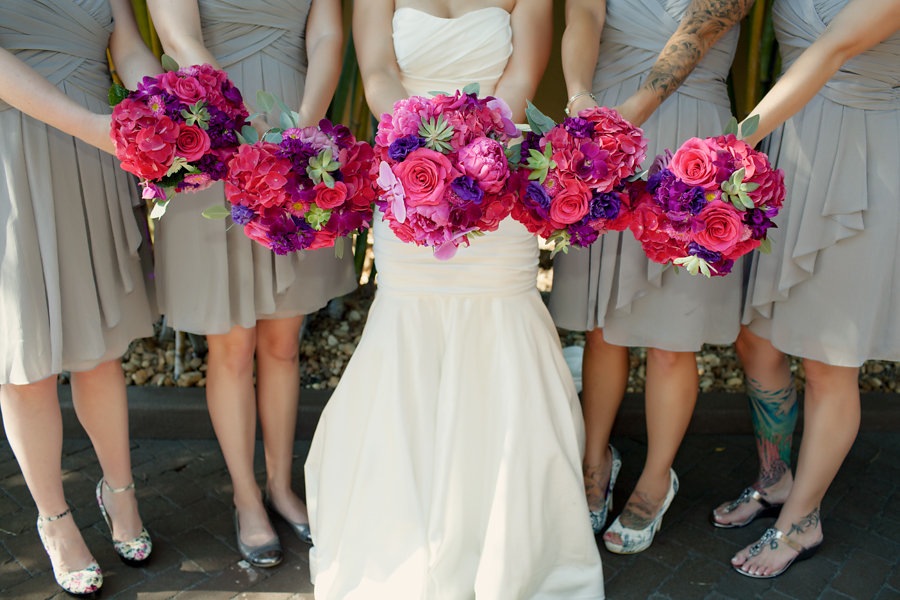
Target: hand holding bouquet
707	204
177	130
443	172
300	188
575	172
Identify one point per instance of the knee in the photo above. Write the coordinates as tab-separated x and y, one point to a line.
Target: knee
668	361
757	353
821	377
233	351
281	346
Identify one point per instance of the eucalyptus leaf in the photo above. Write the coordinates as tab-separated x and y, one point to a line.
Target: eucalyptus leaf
284	119
749	126
732	127
472	88
216	212
249	134
284	107
252	116
117	93
273	137
539	122
765	246
339	248
438	93
168	63
265	101
159	209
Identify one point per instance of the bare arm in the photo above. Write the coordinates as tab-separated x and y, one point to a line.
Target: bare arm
860	25
532	30
372	24
324	42
703	24
132	58
178	25
25	89
581	48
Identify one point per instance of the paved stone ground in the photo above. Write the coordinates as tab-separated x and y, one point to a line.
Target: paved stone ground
185	502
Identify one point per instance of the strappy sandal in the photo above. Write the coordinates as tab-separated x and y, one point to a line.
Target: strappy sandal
771	538
766	509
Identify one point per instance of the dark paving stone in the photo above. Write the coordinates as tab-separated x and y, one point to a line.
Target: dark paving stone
863	575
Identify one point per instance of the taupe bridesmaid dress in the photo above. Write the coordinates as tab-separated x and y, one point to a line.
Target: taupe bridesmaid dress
612	284
72	292
211	277
830	289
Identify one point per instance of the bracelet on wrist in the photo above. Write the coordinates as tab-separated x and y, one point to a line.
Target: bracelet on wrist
576	97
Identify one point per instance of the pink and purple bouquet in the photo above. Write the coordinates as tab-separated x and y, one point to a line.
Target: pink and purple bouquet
576	170
707	204
177	131
308	190
443	172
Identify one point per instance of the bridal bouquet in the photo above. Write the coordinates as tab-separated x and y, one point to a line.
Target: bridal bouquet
443	173
576	171
301	188
707	204
177	130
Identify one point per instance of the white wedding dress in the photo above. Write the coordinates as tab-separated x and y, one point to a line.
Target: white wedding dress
447	464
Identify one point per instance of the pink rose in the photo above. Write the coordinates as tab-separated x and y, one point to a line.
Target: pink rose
327	197
484	161
571	204
723	227
424	175
693	163
192	142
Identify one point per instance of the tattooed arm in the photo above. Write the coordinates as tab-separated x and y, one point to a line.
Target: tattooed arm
581	48
703	24
857	27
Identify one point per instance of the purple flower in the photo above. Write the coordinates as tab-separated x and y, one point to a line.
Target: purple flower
676	198
400	148
537	199
710	256
241	214
212	166
758	222
593	166
467	189
232	93
660	163
339	133
578	127
582	235
530	141
605	206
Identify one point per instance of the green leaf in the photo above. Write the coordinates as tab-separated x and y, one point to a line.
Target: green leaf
750	186
216	212
437	133
732	127
265	101
472	88
745	200
561	242
765	246
514	155
539	122
117	93
273	136
320	166
250	135
539	163
168	63
159	209
339	248
438	93
317	217
284	107
749	126
284	119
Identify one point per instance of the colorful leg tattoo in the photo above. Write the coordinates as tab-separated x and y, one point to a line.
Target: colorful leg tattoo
774	415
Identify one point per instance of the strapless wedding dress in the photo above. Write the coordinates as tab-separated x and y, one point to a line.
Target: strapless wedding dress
447	464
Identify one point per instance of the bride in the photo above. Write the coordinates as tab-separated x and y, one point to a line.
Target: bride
448	462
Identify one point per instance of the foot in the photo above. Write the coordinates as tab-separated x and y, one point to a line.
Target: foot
64	545
633	531
749	506
255	527
122	508
642	507
287	504
778	548
596	481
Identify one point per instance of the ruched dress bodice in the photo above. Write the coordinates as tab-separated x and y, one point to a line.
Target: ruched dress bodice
834	268
455	432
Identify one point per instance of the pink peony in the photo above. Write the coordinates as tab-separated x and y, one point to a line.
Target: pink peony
484	161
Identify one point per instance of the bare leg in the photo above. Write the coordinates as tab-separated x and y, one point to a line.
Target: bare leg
102	408
604	377
773	407
28	409
232	408
671	393
831	422
278	388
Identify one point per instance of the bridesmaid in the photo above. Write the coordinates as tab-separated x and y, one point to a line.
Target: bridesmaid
73	287
214	280
663	64
830	291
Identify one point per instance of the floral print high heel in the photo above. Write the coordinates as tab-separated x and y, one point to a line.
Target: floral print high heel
638	540
134	552
83	583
